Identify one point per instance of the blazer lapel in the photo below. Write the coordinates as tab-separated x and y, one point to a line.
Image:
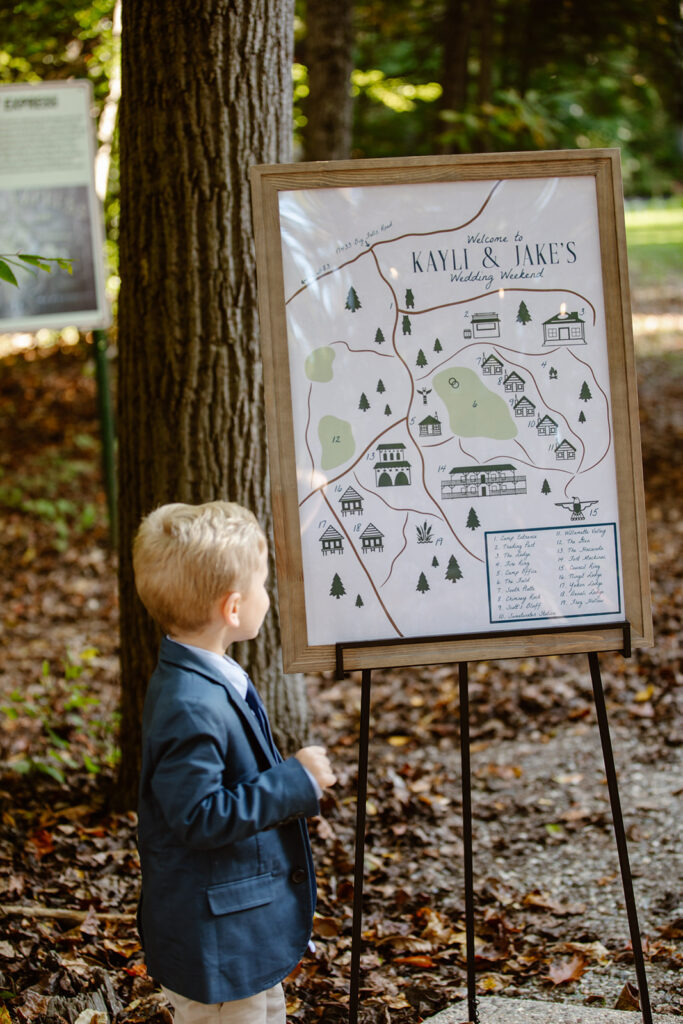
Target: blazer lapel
190	658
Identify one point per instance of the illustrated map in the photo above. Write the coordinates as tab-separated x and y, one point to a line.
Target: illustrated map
451	408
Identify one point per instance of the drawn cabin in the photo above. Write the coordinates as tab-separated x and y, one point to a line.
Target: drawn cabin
391	467
351	503
485	325
331	542
546	426
565	450
430	426
513	382
564	329
371	539
492	365
524	407
483	481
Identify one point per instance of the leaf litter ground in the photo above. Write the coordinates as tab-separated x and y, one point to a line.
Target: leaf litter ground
551	922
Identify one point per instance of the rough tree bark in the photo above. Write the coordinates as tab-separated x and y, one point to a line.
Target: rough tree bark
328	55
206	92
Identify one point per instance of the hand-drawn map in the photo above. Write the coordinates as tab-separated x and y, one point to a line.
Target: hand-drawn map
451	407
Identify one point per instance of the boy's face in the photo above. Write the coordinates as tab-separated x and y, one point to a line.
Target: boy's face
255	601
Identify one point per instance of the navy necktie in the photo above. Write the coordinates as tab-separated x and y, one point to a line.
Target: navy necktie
258	707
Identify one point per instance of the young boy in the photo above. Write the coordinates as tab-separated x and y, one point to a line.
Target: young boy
228	885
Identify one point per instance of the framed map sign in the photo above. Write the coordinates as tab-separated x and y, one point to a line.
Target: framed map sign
452	409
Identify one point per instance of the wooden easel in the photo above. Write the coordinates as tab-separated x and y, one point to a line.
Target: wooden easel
466	785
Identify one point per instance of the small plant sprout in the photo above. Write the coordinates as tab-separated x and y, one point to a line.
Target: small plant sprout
424	534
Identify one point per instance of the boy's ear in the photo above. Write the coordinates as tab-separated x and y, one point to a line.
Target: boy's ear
230	608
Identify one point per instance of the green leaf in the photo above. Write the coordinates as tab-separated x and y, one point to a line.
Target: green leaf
57	740
48	769
554	830
91	766
35	261
66	265
7	275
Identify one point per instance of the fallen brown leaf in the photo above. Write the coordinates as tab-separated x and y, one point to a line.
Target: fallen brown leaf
569	970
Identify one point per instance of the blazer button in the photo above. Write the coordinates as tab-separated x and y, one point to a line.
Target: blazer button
298	876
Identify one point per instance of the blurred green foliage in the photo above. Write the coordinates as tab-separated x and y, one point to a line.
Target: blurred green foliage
74	734
531	74
654	231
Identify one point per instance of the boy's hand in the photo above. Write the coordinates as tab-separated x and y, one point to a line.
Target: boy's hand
316	761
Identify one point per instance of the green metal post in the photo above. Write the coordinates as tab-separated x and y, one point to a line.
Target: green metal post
106	415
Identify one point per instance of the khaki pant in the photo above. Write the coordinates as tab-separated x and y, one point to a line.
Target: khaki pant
264	1008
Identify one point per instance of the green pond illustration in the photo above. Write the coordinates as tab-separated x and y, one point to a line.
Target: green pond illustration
336	439
318	365
473	409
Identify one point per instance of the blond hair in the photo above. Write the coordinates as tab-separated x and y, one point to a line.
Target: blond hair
186	557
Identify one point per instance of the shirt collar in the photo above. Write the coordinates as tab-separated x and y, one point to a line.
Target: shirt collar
227	668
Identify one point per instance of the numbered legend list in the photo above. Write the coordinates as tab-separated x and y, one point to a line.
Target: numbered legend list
553	572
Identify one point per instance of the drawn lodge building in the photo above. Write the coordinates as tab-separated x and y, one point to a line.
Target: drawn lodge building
483	481
391	468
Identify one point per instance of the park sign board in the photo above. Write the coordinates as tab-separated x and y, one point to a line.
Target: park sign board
451	408
48	206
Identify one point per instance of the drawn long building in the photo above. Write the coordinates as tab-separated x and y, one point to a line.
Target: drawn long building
483	481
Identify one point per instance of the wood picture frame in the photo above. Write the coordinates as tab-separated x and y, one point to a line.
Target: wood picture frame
500	495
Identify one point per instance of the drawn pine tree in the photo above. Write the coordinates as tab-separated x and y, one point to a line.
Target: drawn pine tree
352	300
421	359
422	585
406	325
379	337
585	392
582	417
552	373
437	346
364	405
523	314
453	572
545	488
380	386
435	561
473	519
410	298
359	601
387	410
337	589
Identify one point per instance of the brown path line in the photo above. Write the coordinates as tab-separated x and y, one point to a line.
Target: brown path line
349	468
390	241
488	295
360	562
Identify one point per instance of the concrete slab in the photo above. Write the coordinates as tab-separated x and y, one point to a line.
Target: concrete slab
498	1010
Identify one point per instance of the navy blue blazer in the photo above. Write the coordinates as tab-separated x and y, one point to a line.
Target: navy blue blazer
228	884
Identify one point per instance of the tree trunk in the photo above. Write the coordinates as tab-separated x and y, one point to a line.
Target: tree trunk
206	92
328	55
456	34
486	31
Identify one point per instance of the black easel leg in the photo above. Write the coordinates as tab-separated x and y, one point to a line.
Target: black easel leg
620	834
467	838
361	800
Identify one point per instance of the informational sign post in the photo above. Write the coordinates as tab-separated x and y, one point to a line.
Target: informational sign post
48	206
452	409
